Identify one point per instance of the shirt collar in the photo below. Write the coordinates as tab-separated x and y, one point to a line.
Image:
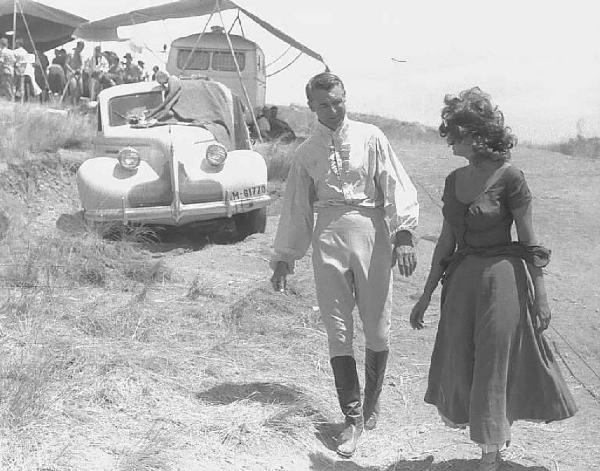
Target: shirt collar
338	133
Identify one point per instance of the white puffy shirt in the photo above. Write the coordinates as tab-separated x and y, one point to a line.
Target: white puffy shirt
373	177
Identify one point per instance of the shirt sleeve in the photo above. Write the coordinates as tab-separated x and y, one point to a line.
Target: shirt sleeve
294	232
517	190
399	194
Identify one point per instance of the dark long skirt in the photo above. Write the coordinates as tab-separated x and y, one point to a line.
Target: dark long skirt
489	367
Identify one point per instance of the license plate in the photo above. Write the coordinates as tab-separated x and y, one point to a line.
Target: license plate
249	192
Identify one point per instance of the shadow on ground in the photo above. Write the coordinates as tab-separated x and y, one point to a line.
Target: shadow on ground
321	462
262	392
297	403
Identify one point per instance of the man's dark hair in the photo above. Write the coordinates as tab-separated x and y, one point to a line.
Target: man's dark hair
323	81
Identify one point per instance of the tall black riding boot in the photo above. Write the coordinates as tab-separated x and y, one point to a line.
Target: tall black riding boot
375	363
348	390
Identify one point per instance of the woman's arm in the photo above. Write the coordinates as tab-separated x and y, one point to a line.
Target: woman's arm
524	224
445	247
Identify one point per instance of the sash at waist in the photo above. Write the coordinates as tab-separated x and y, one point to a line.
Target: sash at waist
537	255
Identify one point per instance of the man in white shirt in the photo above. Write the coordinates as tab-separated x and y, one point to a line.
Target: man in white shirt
366	210
97	66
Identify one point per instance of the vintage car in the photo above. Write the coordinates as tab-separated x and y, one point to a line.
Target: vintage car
195	164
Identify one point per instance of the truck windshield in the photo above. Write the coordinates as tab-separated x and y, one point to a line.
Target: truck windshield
121	109
223	60
201	60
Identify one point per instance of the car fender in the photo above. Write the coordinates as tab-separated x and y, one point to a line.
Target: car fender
103	184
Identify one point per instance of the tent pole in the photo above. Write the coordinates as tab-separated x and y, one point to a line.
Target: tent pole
237	20
237	68
197	43
14	23
35	49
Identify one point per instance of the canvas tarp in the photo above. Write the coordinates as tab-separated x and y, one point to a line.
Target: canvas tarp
106	29
208	104
49	27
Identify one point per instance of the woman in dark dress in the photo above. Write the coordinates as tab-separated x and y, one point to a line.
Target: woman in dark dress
491	364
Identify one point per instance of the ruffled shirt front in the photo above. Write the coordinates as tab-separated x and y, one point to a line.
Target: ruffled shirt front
354	165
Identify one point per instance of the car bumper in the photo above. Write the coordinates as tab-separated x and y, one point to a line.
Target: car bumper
178	214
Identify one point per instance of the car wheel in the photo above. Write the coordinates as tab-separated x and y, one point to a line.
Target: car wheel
251	222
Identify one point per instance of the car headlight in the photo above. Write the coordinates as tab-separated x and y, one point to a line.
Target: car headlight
129	158
216	154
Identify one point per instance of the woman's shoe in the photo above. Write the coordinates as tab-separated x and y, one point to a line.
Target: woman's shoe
490	461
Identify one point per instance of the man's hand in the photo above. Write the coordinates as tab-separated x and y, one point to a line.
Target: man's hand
406	257
279	278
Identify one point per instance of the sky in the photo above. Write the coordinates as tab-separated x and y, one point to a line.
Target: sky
539	60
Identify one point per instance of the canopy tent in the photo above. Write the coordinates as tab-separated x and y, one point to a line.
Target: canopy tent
106	29
46	26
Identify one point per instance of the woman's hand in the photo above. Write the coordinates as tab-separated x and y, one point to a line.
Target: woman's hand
541	315
418	312
279	278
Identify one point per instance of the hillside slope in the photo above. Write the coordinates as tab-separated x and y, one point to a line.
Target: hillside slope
301	119
177	355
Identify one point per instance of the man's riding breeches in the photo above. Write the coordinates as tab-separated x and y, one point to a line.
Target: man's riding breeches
352	257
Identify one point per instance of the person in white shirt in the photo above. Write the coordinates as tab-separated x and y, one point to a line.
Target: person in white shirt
97	66
367	210
75	73
22	77
7	70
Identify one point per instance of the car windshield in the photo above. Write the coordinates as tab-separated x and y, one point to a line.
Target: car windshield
122	108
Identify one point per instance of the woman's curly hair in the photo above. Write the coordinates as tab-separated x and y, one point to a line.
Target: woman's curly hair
472	114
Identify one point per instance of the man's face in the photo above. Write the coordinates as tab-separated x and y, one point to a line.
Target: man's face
329	105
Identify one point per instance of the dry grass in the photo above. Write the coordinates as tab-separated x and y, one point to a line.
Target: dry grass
85	260
32	129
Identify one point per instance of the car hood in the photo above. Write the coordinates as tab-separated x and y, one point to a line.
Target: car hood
156	144
166	134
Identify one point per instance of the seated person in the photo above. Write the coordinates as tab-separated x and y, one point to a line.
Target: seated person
262	120
172	92
57	79
279	129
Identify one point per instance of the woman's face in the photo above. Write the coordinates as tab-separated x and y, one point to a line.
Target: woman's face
463	148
